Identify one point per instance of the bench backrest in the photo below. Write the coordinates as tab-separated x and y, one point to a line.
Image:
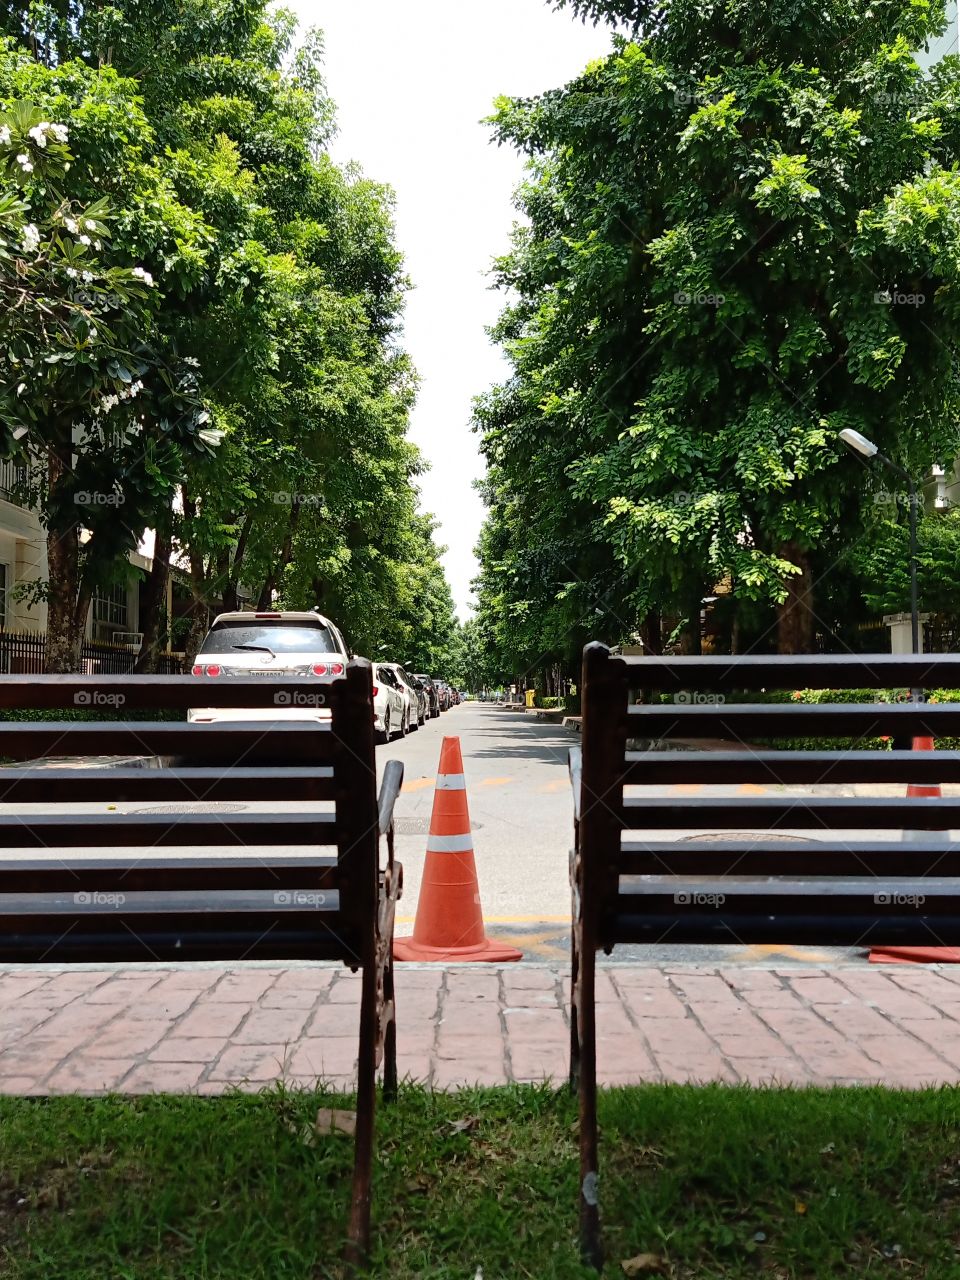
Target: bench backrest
252	839
667	840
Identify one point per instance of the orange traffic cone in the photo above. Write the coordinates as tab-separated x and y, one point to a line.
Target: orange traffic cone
449	923
921	790
918	955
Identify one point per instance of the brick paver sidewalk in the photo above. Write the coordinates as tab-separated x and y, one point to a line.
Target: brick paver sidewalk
205	1030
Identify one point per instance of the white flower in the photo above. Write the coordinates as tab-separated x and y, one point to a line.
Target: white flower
84	239
59	131
192	362
97	245
90	224
93	332
4	136
87	277
71	226
21	389
39	134
31	238
145	276
23	160
72	272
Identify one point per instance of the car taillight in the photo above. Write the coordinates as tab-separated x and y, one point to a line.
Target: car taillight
213	671
198	670
319	669
337	669
375	690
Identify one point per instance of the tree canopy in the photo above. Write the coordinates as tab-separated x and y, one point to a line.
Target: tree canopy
246	288
739	238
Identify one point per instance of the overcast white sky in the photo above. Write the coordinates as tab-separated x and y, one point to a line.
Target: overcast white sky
412	80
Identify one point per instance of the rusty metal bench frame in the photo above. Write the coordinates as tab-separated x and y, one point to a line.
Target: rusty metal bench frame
631	890
62	907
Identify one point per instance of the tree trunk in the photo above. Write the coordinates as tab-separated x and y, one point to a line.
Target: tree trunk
64	637
690	638
796	623
651	633
286	551
231	592
154	599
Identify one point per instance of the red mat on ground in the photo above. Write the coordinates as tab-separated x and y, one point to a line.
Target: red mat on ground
915	955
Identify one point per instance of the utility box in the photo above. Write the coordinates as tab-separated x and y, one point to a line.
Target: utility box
901	631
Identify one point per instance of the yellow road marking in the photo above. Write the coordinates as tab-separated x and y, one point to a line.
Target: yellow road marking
688	788
779	949
751	789
418	784
549	787
531	943
495	782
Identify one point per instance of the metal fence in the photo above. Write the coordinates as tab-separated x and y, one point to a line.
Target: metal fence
24	653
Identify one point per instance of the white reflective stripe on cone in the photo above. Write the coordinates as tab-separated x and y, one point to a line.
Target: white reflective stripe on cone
451	782
450	844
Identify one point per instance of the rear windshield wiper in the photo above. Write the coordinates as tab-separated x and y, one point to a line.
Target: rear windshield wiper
257	648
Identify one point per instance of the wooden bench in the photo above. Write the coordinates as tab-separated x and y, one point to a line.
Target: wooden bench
286	882
640	874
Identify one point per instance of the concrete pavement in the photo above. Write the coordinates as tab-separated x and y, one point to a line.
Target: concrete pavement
208	1029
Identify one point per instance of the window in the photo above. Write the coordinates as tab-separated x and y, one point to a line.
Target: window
13	479
278	637
110	605
4	592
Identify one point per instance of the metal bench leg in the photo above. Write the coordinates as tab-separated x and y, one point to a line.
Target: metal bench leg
591	1246
358	1244
390	1029
574	1005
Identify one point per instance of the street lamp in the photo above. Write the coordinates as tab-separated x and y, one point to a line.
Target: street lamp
867	449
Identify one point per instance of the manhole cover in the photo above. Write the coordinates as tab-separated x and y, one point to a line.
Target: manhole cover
197	806
420	826
751	836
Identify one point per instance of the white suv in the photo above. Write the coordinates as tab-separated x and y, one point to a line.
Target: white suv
269	644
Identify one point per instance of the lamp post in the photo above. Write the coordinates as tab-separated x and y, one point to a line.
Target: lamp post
867	449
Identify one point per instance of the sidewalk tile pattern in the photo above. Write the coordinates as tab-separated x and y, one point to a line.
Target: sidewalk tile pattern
206	1030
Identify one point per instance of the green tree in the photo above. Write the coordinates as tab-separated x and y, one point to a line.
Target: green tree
739	241
92	399
289	319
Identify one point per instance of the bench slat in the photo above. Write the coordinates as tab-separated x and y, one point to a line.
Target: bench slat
147	693
86	830
149	873
102	940
773	812
829	671
38	785
913	859
747	721
787	768
780	923
303	742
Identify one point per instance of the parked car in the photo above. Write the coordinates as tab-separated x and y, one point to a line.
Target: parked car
443	693
390	707
433	696
269	644
414	695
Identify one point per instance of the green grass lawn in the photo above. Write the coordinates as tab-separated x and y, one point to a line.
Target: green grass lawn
712	1181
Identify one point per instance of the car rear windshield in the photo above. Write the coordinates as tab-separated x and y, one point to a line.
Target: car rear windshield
278	636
